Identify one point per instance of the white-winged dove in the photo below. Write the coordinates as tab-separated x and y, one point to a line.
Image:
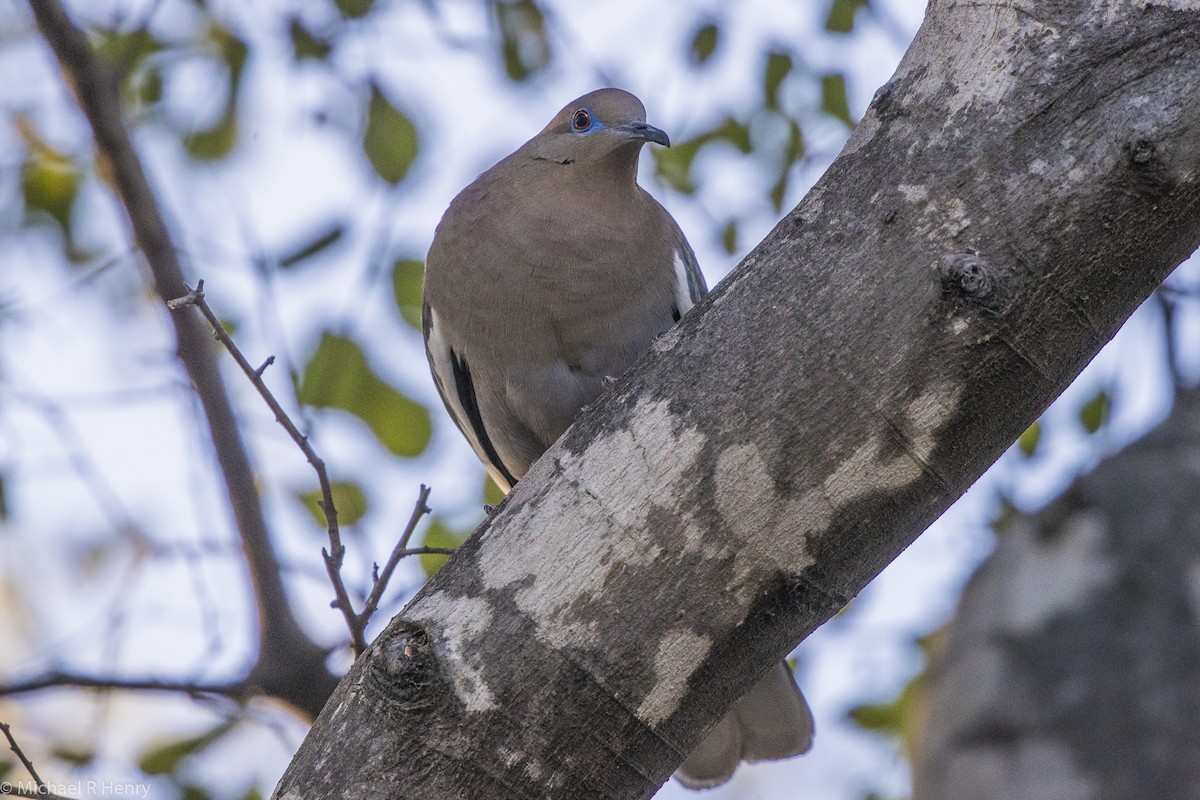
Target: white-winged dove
550	274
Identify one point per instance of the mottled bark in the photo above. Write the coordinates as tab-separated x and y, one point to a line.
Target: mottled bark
1072	663
1027	178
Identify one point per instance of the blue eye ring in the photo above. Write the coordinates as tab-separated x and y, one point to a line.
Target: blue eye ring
581	121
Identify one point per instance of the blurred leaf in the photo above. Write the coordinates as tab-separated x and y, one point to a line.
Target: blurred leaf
78	757
305	43
841	15
1028	441
147	87
214	143
524	45
729	237
438	535
1094	412
165	758
6	768
233	51
338	376
733	132
704	43
779	192
50	179
779	66
795	145
252	794
3	499
348	498
124	50
492	494
353	9
833	98
390	139
192	792
899	719
674	165
408	277
315	245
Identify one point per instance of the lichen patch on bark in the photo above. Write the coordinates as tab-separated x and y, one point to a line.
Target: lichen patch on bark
460	621
554	551
680	653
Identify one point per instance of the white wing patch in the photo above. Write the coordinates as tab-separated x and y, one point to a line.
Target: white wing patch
683	291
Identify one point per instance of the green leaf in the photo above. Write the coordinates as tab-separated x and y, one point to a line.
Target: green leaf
193	792
841	15
1028	441
353	9
216	142
704	43
492	494
795	146
75	756
390	139
1094	412
348	499
674	165
338	376
323	240
729	237
439	535
895	718
524	46
408	276
833	98
50	179
125	50
779	192
779	66
252	794
735	133
305	43
165	758
6	768
233	50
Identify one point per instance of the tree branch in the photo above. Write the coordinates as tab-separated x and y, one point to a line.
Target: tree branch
16	748
334	556
235	690
283	646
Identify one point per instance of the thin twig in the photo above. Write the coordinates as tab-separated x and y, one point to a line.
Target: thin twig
236	690
420	509
333	556
16	748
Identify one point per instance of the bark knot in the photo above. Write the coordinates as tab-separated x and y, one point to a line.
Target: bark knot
968	275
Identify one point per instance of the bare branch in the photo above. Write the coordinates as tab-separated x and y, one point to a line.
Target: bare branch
16	748
420	509
235	690
285	652
335	555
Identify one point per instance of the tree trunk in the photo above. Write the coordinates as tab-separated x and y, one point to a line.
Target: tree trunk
1027	178
1070	672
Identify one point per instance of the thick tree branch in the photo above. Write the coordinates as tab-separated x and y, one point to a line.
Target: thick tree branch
290	666
1027	178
